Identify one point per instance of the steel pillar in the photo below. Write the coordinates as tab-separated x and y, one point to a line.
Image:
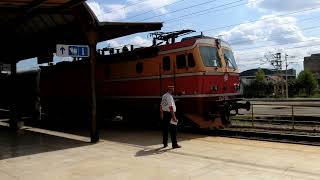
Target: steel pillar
14	122
94	131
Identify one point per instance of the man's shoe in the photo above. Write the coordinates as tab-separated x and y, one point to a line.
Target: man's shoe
165	145
176	146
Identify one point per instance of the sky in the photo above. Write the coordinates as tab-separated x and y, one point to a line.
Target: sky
255	29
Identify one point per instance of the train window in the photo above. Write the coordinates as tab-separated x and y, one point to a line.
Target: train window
210	56
191	62
181	61
139	67
229	58
166	65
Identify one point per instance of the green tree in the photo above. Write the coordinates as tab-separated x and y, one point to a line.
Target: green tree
259	87
260	75
307	80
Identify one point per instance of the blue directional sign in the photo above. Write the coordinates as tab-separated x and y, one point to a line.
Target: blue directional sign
72	50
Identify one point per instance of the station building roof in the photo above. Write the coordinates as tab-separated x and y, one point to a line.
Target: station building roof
29	28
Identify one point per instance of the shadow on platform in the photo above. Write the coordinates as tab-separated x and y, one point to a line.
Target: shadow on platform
149	151
24	142
120	132
142	136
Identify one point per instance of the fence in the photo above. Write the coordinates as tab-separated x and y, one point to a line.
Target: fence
290	117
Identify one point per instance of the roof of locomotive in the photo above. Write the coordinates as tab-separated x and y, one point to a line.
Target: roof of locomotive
189	41
153	51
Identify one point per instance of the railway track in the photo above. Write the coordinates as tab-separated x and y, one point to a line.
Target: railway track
288	121
268	136
283	129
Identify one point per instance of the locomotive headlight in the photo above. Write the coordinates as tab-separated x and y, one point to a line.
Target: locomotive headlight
236	87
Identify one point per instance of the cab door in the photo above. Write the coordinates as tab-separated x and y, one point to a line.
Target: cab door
226	74
231	79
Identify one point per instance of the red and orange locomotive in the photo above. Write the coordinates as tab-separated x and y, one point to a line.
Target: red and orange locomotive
131	83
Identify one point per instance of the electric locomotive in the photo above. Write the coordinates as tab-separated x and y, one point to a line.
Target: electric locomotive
130	83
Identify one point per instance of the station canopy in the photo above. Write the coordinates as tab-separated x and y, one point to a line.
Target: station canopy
31	28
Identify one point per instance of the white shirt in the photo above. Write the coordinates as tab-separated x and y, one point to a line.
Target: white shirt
167	101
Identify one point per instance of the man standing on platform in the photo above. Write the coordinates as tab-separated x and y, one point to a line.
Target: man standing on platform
169	120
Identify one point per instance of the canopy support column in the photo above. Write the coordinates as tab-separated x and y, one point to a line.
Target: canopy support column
94	131
14	121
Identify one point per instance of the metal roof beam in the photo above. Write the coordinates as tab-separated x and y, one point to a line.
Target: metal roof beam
34	5
19	12
71	4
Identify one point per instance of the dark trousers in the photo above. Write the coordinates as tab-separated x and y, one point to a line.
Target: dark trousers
168	126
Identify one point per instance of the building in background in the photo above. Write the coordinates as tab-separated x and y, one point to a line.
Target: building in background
312	63
271	75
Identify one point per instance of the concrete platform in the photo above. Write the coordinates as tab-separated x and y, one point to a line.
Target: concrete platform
135	154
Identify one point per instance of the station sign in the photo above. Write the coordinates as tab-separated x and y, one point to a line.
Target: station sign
63	50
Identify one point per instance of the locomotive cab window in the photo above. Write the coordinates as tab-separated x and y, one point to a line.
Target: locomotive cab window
229	58
191	62
166	65
139	67
209	56
181	61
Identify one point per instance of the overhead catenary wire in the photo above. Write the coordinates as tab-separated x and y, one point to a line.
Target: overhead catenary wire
126	6
301	20
251	61
271	40
308	28
209	9
181	9
230	42
146	12
257	20
263	19
232	25
252	21
257	52
246	49
170	12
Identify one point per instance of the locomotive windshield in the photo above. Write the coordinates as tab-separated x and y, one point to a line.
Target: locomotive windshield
229	58
210	57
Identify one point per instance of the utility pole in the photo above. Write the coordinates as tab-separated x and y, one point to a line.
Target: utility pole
287	64
287	90
276	62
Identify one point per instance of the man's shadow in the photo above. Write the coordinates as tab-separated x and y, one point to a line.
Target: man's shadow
148	151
